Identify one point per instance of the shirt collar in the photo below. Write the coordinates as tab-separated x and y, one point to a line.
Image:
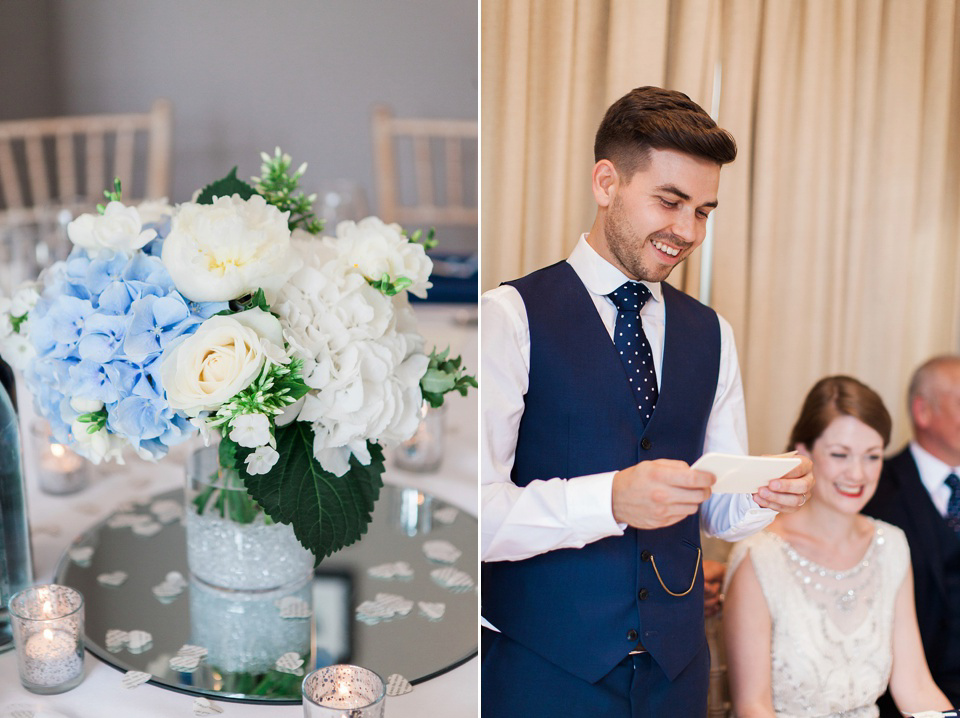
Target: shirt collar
598	275
933	472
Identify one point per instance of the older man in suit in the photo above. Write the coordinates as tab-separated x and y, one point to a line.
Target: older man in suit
919	491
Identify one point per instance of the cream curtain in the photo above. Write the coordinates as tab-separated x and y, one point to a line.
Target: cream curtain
836	246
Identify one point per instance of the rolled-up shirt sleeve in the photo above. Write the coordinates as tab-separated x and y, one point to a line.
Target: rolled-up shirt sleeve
730	517
520	522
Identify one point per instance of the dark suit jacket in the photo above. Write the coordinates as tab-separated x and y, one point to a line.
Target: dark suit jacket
903	500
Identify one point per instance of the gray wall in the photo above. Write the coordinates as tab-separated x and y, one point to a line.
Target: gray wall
245	75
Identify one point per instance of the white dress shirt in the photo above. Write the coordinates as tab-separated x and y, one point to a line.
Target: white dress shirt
518	523
933	474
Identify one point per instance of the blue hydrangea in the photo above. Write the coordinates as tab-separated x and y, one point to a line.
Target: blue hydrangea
100	329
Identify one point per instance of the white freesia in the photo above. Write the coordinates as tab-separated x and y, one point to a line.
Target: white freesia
85	406
374	248
99	446
118	229
227	249
261	460
251	430
23	300
17	350
219	360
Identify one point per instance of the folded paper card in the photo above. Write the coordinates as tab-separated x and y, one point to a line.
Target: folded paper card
744	474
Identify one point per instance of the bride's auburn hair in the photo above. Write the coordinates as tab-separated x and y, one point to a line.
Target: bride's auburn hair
836	396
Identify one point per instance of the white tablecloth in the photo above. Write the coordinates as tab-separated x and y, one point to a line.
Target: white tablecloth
56	520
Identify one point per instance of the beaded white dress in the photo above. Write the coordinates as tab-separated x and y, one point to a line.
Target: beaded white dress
832	631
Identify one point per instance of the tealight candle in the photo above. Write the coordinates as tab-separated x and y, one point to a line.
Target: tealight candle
343	691
59	470
48	632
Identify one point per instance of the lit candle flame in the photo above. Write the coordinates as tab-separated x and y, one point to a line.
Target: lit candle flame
57	450
48	634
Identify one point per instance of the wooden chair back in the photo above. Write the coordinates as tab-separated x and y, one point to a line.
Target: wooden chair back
443	175
68	162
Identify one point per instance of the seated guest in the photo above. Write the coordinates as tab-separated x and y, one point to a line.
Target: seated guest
920	492
819	614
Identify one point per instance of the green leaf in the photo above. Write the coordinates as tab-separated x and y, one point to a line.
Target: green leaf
226	187
228	453
437	381
327	512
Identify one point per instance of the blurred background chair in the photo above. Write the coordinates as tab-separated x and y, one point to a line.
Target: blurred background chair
54	168
426	177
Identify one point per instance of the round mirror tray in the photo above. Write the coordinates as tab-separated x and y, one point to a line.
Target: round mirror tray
381	603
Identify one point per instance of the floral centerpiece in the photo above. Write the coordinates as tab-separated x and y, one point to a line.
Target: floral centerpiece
233	315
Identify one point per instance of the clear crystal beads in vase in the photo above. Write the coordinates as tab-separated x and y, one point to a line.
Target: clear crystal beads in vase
231	542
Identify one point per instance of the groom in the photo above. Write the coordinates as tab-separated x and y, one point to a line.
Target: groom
601	384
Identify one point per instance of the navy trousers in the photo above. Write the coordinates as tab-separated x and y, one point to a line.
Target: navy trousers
515	682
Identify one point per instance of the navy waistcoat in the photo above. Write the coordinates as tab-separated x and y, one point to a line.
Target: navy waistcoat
585	609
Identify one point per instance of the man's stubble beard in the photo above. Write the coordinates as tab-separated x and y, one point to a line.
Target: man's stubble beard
627	250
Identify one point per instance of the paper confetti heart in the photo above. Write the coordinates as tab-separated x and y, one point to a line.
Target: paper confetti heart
123	520
116	640
433	611
446	515
147	528
115	578
81	555
441	551
132	679
184	664
166	511
171	587
290	663
293	607
397	570
385	607
397	685
452	579
188	649
139	641
203	707
88	507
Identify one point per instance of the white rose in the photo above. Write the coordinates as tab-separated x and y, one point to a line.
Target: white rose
230	248
118	229
374	248
219	360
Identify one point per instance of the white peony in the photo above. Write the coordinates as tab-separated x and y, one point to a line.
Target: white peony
118	229
374	248
251	430
227	249
219	360
261	460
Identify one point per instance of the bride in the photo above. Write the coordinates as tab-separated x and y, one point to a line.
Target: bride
819	613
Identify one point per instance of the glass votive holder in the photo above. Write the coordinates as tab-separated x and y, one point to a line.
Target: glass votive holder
343	691
59	470
47	626
423	452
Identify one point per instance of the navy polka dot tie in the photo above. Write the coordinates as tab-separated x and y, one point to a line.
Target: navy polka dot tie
633	346
953	506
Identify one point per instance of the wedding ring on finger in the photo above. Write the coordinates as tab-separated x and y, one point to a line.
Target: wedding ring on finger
803	499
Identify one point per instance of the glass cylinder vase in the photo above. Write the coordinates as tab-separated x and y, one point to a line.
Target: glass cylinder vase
231	542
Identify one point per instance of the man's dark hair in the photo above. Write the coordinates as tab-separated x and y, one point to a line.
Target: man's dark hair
653	118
